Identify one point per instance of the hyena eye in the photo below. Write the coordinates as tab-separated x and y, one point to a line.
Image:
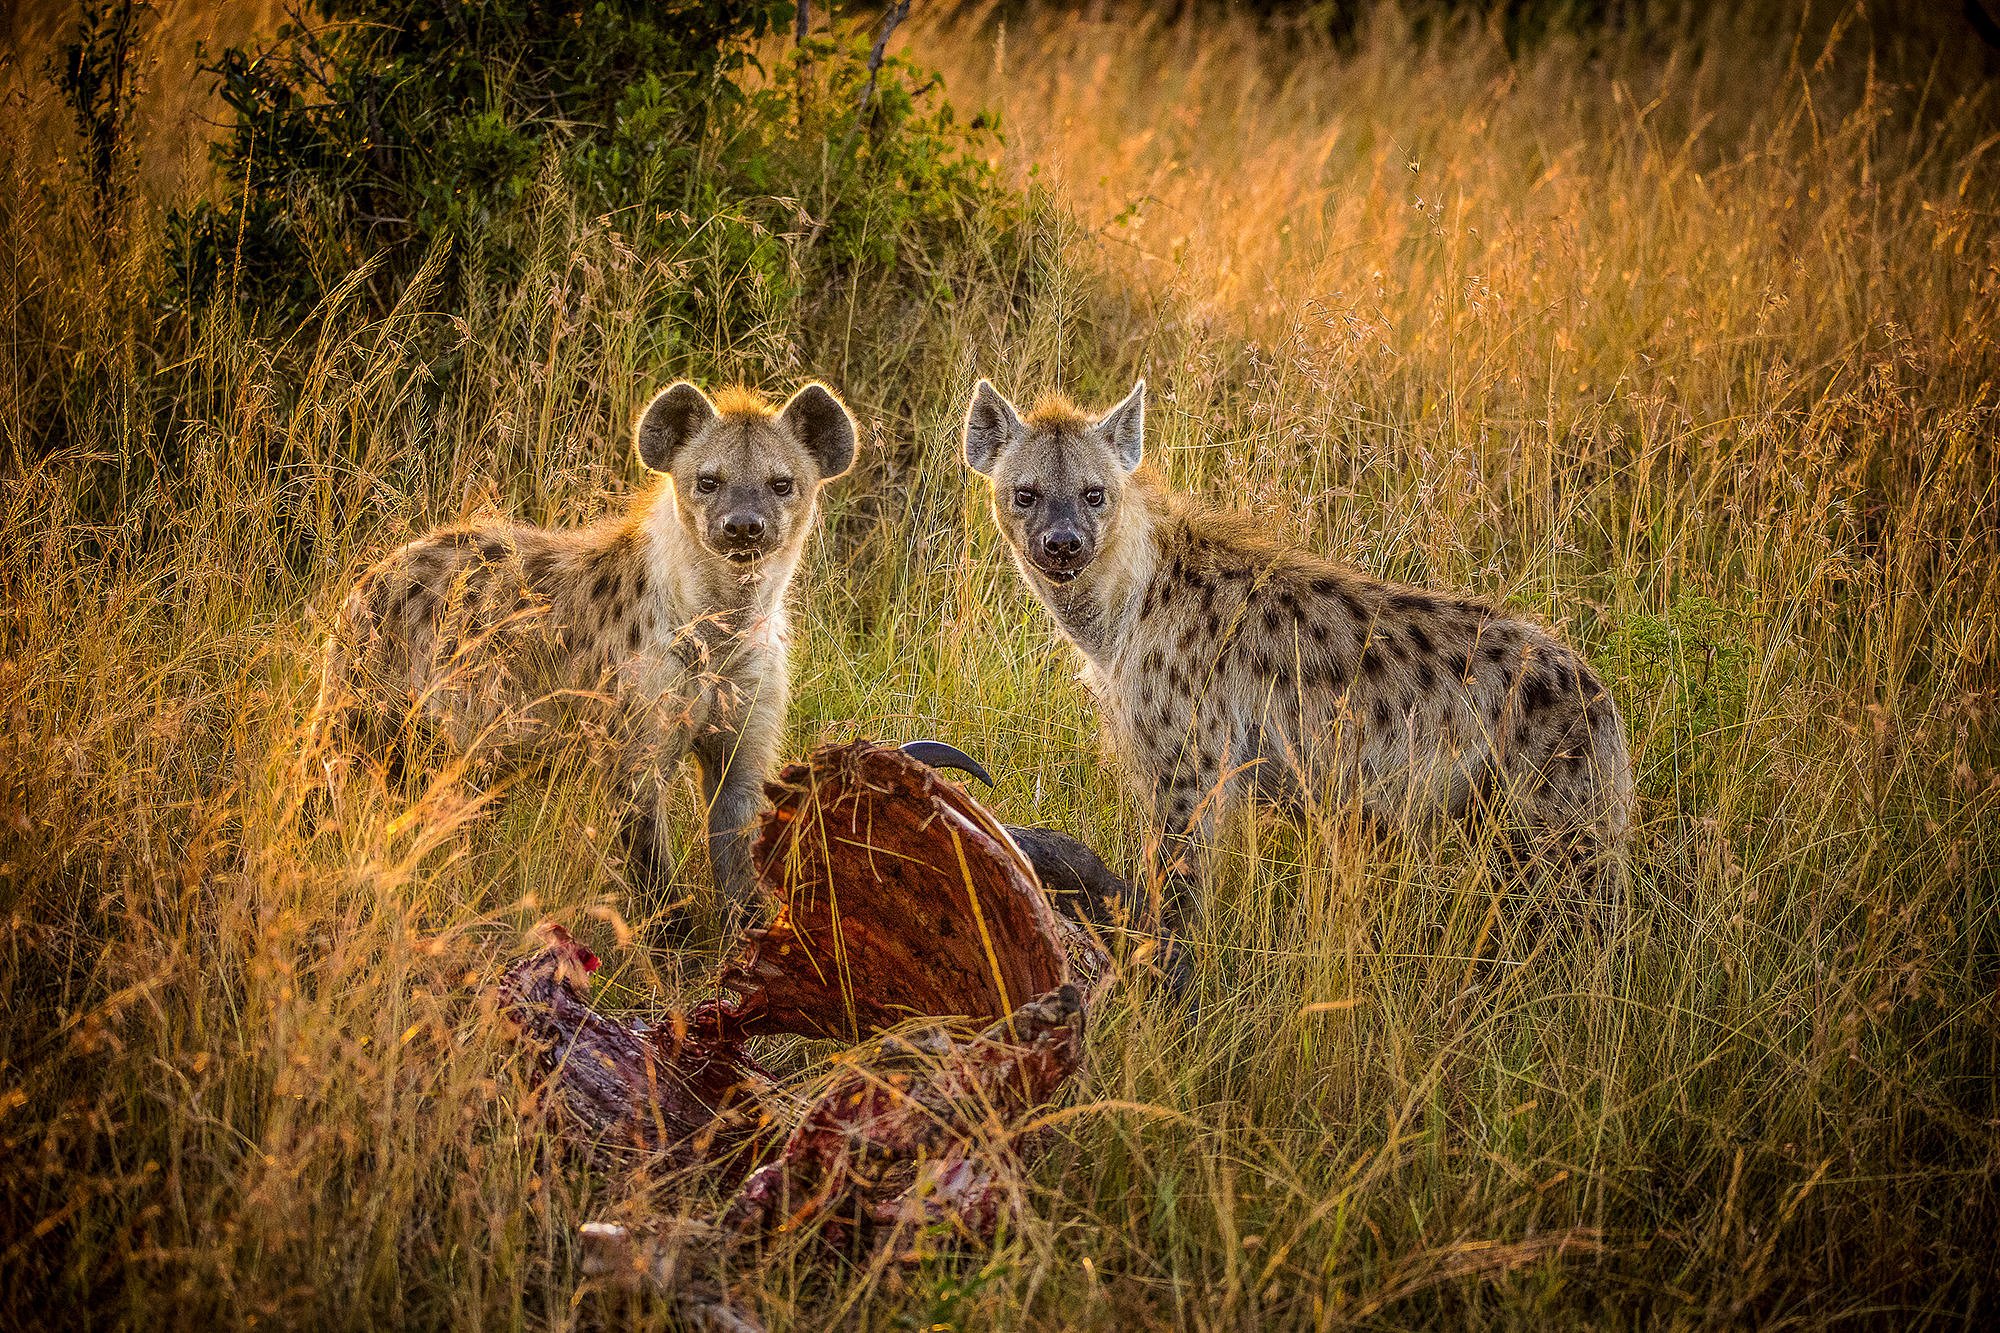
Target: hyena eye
706	484
1024	498
1094	497
781	485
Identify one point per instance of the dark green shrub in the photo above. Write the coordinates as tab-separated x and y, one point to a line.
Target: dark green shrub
97	72
386	128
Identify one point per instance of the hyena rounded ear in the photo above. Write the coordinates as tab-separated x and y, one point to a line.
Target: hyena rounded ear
990	423
1124	428
669	422
823	426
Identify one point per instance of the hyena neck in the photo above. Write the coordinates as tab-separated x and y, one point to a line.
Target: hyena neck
699	584
1097	609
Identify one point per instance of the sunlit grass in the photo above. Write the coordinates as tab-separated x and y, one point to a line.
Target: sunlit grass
1682	338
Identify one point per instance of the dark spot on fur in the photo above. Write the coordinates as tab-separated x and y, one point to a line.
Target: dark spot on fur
1271	620
1407	602
1419	640
1372	665
632	637
1383	714
1537	693
600	587
490	549
1318	631
639	583
1426	678
1495	651
539	565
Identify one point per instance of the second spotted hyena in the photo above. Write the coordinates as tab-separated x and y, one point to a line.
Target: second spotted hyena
1224	661
663	626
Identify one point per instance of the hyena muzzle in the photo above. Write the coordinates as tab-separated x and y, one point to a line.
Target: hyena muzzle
1226	663
658	632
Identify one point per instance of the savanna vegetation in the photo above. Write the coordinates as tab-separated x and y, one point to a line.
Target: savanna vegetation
1678	326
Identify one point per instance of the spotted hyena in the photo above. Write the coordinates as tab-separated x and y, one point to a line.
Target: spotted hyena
662	626
1224	661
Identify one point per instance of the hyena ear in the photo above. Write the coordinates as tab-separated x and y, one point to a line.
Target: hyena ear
669	422
1124	428
823	426
990	423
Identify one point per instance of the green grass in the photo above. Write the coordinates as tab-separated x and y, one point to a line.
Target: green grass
1682	338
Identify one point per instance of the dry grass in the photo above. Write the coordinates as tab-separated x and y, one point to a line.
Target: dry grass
1684	338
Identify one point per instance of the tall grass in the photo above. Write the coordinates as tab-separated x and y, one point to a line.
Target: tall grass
1680	335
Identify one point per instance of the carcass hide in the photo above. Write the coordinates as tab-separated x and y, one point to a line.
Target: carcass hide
898	898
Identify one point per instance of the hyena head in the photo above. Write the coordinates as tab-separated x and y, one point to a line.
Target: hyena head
746	476
1058	476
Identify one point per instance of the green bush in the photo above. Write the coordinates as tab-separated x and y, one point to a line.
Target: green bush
385	129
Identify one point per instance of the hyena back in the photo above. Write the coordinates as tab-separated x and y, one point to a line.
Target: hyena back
662	627
1224	662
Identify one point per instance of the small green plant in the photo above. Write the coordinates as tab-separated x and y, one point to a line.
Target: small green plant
1688	672
954	1300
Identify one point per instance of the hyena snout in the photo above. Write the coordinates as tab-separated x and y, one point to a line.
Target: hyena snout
739	534
743	526
1063	550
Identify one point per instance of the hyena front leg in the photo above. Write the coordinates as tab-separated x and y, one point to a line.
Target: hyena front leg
649	855
734	764
1186	813
649	737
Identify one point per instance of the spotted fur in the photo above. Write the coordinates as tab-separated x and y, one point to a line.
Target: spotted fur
1226	663
662	627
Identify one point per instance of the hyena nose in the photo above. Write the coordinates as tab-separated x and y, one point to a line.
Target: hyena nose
1062	545
742	527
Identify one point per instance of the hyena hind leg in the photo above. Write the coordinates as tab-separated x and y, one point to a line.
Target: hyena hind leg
1562	878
